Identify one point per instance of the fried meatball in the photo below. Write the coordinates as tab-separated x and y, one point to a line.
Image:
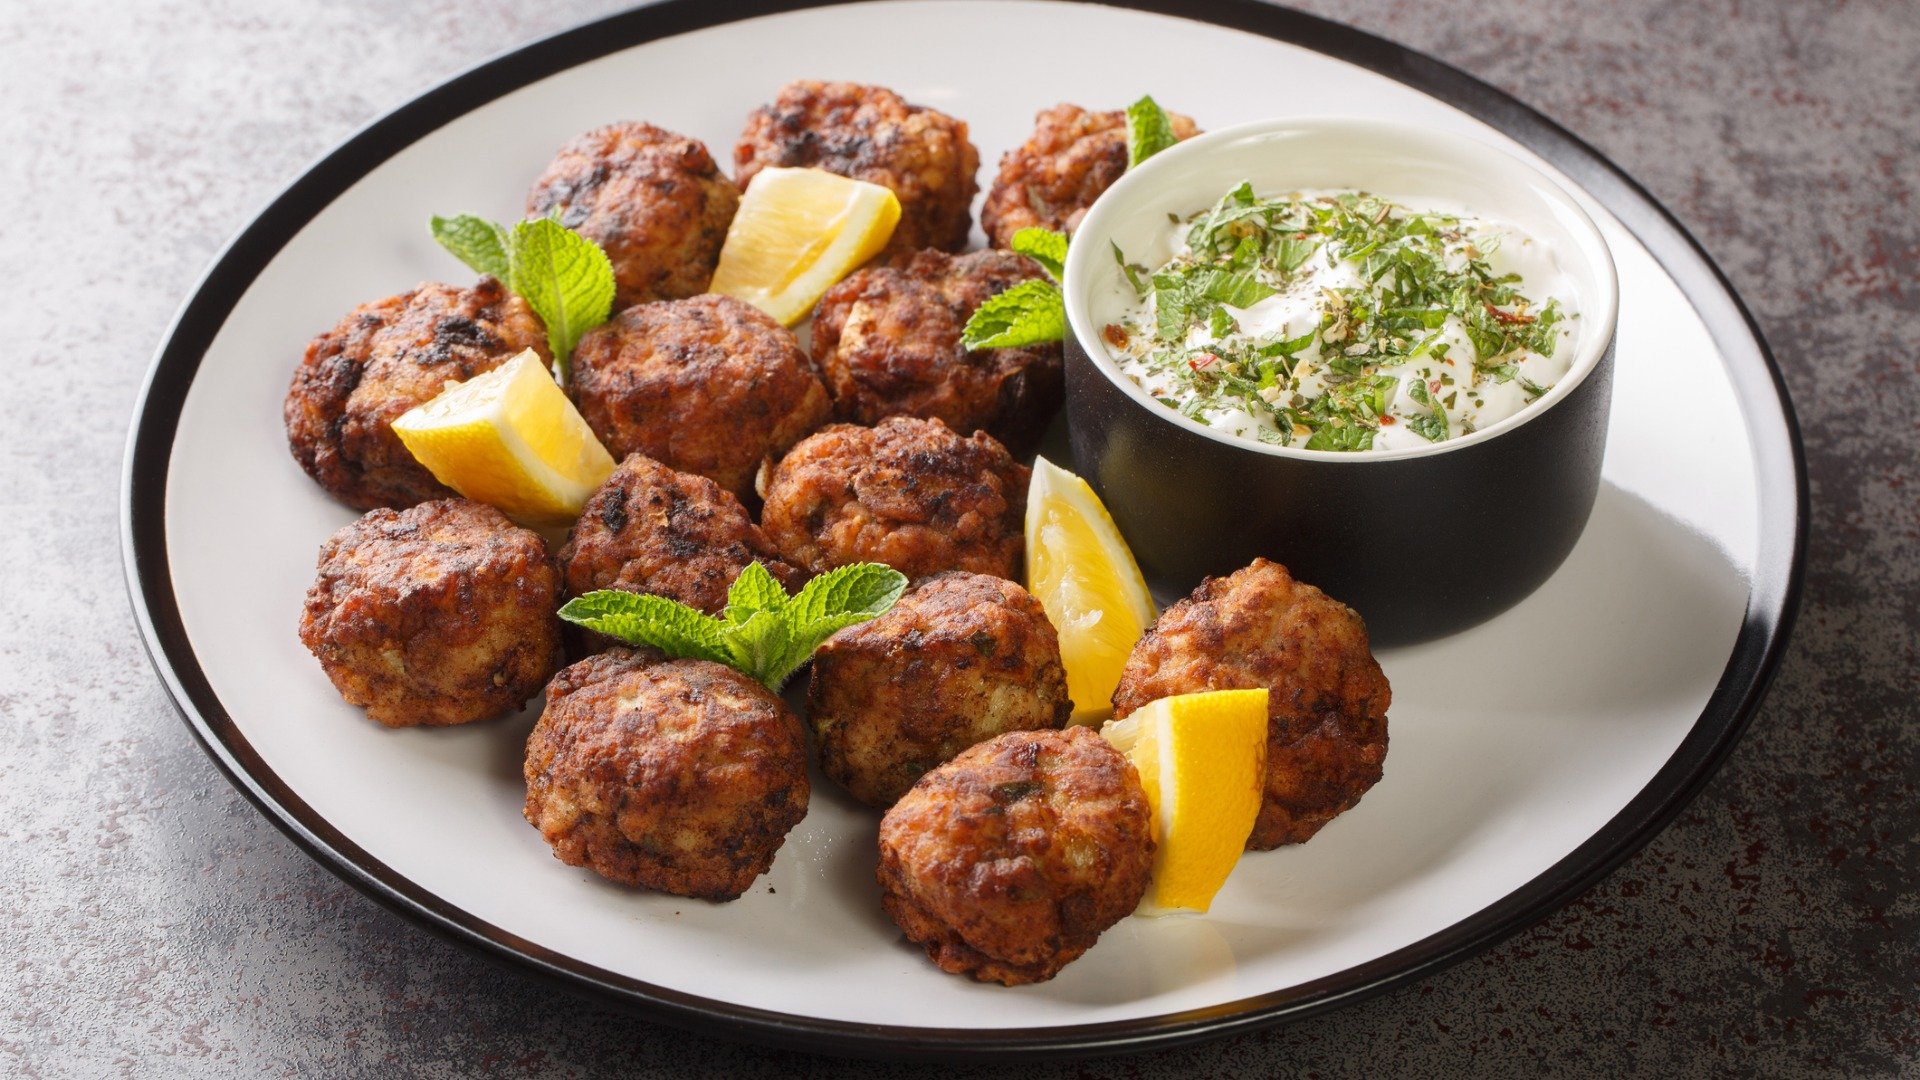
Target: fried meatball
708	385
870	133
439	614
682	776
650	529
383	359
961	658
906	492
1050	180
654	201
1008	862
887	342
1327	708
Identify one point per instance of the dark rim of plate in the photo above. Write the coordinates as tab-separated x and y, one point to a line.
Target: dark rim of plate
1772	601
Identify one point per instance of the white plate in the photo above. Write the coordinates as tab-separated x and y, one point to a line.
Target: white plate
1528	755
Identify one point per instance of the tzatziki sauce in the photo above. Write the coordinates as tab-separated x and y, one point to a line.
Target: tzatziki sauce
1345	321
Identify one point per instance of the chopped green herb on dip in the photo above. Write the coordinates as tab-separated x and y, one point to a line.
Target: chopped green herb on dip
1344	321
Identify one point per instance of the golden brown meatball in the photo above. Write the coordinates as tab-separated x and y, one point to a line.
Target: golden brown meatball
961	658
906	492
439	614
1327	708
870	133
708	385
1050	180
650	529
682	776
654	201
1009	861
887	342
383	359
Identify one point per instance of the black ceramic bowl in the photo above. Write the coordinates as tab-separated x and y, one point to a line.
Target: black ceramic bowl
1422	541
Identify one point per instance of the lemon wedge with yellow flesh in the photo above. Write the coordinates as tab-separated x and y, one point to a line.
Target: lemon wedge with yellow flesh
797	232
1203	761
1081	571
510	438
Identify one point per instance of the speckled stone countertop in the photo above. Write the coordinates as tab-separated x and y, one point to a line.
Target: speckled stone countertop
154	924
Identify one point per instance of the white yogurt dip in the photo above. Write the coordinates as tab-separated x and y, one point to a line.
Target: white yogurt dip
1345	321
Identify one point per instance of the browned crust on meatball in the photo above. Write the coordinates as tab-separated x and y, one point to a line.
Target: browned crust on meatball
887	343
1008	862
961	658
707	385
439	614
905	492
383	359
655	201
682	776
870	133
650	529
1050	180
1327	710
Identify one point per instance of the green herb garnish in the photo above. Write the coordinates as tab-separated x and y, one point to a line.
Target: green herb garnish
1419	274
1033	312
763	632
1131	270
1044	246
1149	130
1030	313
564	277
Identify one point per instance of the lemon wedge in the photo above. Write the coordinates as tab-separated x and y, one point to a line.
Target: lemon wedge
1203	760
797	232
1081	571
510	438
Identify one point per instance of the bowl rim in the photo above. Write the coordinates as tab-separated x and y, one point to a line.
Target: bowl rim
1593	248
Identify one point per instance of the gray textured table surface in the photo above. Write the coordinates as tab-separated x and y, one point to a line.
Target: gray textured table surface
154	924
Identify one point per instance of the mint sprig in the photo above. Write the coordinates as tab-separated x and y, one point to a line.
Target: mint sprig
1032	312
762	632
1149	130
564	277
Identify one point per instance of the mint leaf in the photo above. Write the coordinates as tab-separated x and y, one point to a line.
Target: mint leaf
1030	313
479	243
1292	251
1133	273
1148	130
832	602
1044	246
1351	438
1288	346
863	590
640	619
1235	288
1429	426
763	633
565	278
753	592
760	646
1173	301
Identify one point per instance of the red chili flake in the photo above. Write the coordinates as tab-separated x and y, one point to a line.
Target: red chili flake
1508	317
1202	362
1116	335
1433	385
1388	421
